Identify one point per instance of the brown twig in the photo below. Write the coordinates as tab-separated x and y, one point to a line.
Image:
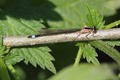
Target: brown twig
13	41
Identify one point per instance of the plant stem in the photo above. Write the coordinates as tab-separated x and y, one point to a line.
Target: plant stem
3	71
13	41
78	57
116	23
14	73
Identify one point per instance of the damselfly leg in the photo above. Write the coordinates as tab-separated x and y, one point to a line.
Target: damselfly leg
88	31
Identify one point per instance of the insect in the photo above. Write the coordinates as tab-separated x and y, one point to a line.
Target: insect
87	30
48	32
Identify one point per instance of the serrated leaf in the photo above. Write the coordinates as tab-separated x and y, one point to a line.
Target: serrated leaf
37	56
2	49
85	72
12	59
20	26
94	18
20	18
21	22
67	14
113	43
89	53
73	12
110	51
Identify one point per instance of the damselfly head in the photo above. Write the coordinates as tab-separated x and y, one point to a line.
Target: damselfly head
94	29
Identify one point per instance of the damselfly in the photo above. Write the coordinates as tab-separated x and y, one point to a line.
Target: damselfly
48	32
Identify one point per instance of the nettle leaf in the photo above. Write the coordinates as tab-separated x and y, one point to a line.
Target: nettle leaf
37	56
12	59
4	75
94	18
22	18
113	53
73	12
13	26
89	53
85	72
113	43
25	21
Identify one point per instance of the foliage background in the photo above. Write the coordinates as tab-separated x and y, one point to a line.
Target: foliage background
32	15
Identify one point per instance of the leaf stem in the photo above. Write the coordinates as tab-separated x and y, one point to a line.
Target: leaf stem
78	57
113	53
116	23
3	71
14	73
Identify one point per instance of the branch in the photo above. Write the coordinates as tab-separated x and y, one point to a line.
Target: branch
66	37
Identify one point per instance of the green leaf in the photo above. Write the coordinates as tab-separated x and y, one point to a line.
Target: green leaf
110	7
20	18
36	56
113	43
94	18
12	59
73	12
85	72
20	26
89	53
3	49
113	53
19	23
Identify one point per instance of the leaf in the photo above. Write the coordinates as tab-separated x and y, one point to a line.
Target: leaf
3	49
12	59
89	53
73	12
19	22
113	43
85	72
36	56
94	18
21	18
20	26
111	7
110	51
